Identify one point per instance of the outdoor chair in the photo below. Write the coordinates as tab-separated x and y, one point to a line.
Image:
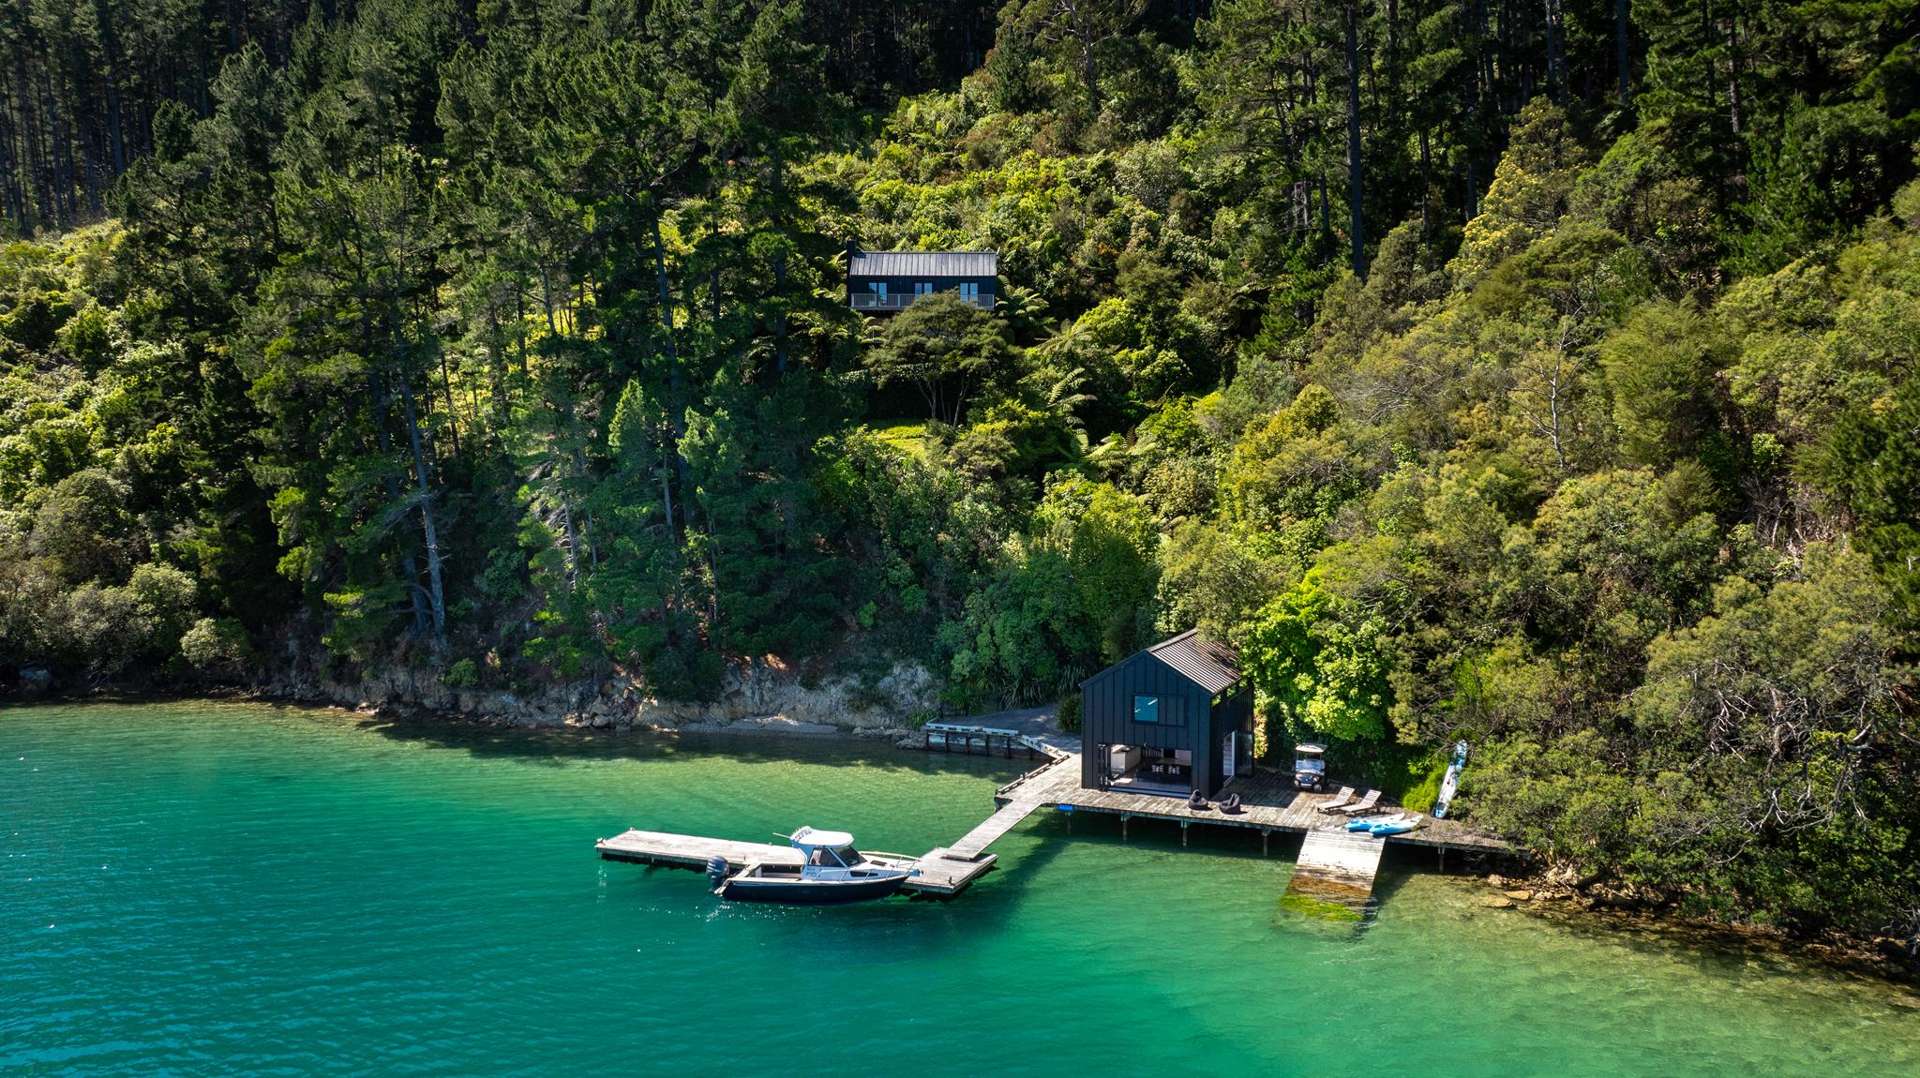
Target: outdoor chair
1367	804
1340	800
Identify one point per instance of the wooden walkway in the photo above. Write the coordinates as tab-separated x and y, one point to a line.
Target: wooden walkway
943	870
975	842
1269	803
1332	863
1336	869
1341	856
938	872
1025	796
978	740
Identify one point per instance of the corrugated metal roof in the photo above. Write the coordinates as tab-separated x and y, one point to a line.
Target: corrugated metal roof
1213	667
924	264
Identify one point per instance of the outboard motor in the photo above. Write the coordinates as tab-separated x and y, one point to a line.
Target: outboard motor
718	870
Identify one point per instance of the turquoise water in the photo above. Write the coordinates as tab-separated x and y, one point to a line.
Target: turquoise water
215	887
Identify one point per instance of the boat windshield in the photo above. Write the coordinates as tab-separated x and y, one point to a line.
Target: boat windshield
834	857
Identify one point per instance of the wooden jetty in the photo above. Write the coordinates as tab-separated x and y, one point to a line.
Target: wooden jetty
977	740
939	872
1344	857
1337	867
1018	800
1331	862
1269	805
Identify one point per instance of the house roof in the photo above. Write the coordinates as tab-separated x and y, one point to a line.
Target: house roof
1212	666
924	264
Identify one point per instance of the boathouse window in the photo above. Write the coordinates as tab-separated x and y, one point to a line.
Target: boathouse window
1146	709
923	288
970	291
879	289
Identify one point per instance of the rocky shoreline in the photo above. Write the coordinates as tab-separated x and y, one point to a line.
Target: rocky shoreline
756	696
764	699
1598	908
761	696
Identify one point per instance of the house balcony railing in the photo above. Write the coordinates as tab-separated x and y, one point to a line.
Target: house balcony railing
900	301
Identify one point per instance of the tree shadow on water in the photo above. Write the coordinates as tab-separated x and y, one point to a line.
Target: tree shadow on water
559	747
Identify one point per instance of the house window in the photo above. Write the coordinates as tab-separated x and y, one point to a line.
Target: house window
970	291
1146	709
879	290
923	288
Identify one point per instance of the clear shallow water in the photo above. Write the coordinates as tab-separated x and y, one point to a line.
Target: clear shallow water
213	887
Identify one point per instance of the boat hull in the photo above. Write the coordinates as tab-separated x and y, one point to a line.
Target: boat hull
793	891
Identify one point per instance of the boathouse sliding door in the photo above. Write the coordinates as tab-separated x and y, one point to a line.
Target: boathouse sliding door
1231	724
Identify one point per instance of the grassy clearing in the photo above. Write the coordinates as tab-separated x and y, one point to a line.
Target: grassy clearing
906	435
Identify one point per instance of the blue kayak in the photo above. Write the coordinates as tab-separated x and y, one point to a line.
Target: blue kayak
1392	827
1385	825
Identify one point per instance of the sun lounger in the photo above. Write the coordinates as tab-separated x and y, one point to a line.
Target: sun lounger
1369	803
1340	800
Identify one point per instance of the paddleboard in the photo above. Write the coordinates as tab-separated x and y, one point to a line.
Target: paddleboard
1451	784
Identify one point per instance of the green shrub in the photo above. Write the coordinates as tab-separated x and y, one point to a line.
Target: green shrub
1421	796
165	597
1069	713
463	674
217	646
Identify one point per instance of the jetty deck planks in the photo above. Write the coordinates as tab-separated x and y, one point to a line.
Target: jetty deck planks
1329	856
1340	856
944	873
691	851
975	842
1269	802
940	874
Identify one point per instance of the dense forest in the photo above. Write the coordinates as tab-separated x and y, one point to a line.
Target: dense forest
1544	375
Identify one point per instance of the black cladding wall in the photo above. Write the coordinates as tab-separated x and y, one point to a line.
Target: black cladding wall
1189	718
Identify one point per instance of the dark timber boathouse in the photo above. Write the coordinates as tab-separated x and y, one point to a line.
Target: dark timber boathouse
1172	719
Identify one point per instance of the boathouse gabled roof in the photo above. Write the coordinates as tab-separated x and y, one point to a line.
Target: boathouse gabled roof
924	264
1210	665
1213	666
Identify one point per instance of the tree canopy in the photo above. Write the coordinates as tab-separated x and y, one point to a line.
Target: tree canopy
1539	375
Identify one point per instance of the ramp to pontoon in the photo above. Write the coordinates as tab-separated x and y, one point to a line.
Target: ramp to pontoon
1337	866
975	842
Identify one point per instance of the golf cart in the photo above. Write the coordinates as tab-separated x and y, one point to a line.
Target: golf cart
1310	766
